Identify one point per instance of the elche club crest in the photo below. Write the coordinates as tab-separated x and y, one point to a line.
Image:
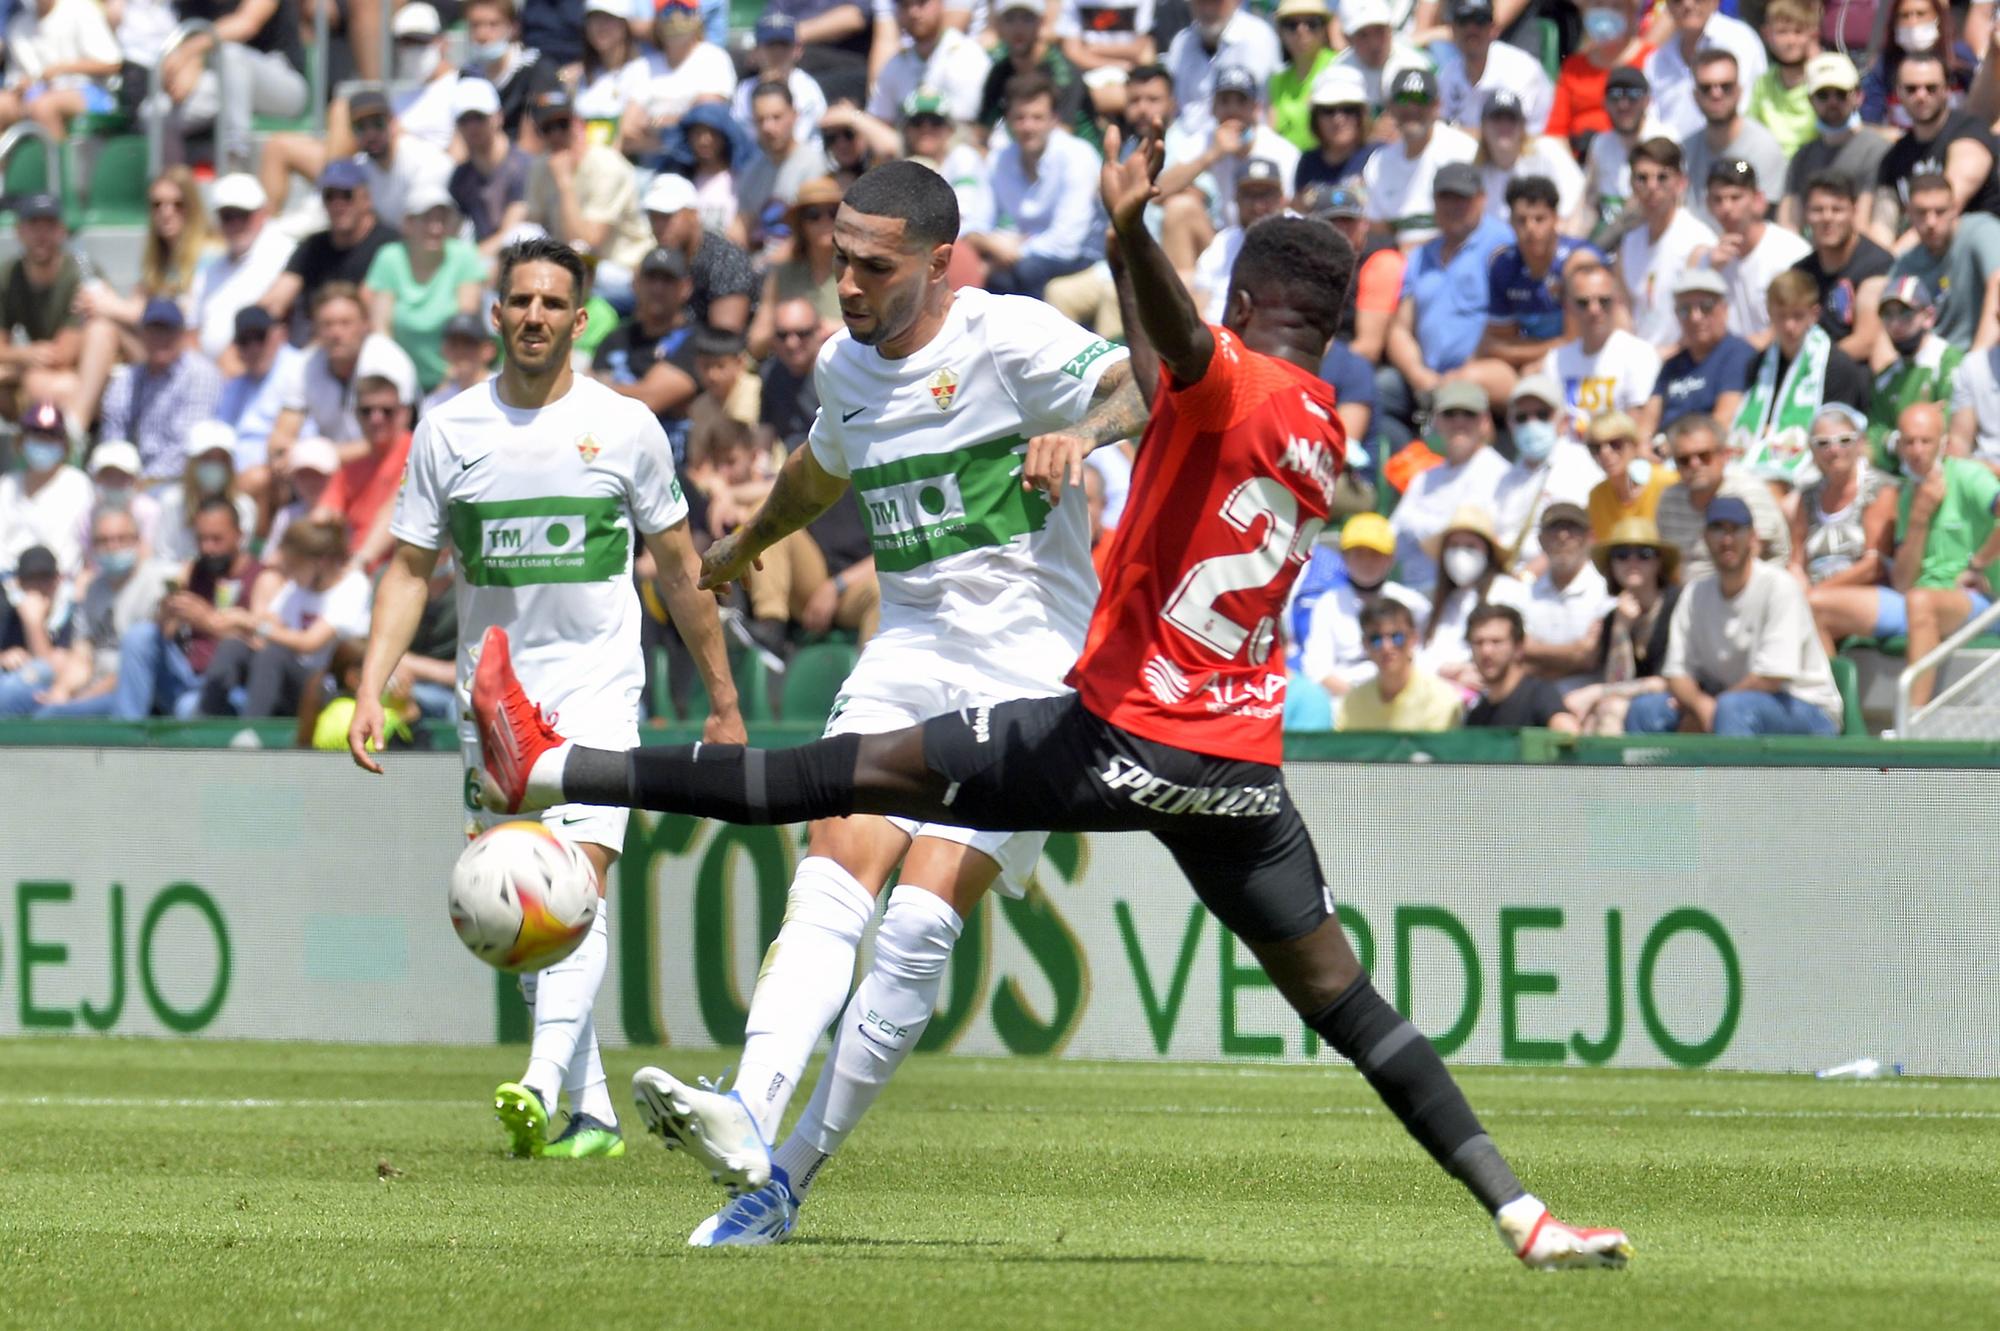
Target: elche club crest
944	388
588	448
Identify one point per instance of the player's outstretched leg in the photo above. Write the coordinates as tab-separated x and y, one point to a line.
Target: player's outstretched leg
713	1127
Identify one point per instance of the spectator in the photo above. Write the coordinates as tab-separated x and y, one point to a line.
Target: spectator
34	630
1401	697
1524	320
1607	163
319	600
1026	47
1260	193
1612	41
1334	656
1703	462
584	195
1946	545
771	182
1957	255
259	59
416	285
1507	153
320	396
1840	144
790	399
1510	697
1632	485
114	478
613	76
157	402
61	56
47	501
1221	34
1353	382
930	137
1468	478
936	56
1050	223
1378	275
835	36
1750	251
1374	50
1549	470
161	659
1727	136
122	590
1677	72
720	271
1926	369
1398	178
1780	100
490	186
1941	141
1342	129
1471	572
309	468
1108	40
1919	30
1632	644
424	88
254	254
396	163
730	392
1183	219
1843	529
468	359
1850	269
1566	602
651	355
41	330
341	253
210	474
1742	656
1705	377
1441	316
519	73
555	28
688	71
1236	140
1655	250
250	402
1302	31
365	487
1603	368
806	273
1784	388
1487	65
775	58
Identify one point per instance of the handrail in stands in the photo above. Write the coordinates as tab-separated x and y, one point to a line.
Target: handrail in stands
1935	659
51	151
322	35
155	117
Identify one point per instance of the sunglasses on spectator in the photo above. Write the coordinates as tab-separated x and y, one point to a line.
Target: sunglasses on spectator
379	409
176	203
1716	89
369	124
1699	457
1396	639
1295	24
793	334
1847	440
557	125
1522	415
1828	95
925	120
336	195
1625	95
817	212
1645	553
229	216
250	340
1592	302
1697	306
1344	109
837	132
1909	89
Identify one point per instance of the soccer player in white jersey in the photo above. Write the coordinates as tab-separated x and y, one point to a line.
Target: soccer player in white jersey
928	403
539	480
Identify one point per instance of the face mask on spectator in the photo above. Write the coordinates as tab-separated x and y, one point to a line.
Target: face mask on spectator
1907	346
117	563
1852	122
1535	440
1604	25
1465	565
487	52
211	477
43	454
1917	36
418	64
114	496
214	565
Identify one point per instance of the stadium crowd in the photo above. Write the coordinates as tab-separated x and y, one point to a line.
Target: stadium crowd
1672	363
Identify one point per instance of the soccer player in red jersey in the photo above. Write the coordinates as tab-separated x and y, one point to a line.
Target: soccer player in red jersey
1174	728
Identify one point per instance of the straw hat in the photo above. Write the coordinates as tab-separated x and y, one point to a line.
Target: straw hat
1637	531
1472	518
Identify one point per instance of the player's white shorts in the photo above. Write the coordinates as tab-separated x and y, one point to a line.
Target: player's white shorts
594	824
899	683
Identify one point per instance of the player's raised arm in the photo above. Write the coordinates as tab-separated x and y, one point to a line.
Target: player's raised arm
399	604
1167	315
804	490
676	571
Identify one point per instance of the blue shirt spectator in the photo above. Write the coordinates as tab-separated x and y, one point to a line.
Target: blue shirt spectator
1353	382
1452	294
1706	376
251	401
1533	304
155	402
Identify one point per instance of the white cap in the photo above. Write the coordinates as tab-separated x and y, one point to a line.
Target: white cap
238	190
425	194
1340	85
382	358
315	454
416	20
611	7
1358	14
474	97
668	193
211	437
116	454
521	231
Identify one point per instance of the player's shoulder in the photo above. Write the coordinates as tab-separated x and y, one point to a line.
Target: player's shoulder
599	408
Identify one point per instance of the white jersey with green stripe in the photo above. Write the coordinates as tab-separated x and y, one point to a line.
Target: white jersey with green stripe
933	445
542	510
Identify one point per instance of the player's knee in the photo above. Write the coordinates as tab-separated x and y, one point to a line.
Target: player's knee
1313	970
827	897
918	931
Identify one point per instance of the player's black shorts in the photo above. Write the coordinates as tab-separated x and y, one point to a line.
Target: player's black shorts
1231	825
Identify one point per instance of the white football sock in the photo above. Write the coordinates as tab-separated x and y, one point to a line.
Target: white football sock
545	779
564	994
802	984
887	1015
799	1158
588	1095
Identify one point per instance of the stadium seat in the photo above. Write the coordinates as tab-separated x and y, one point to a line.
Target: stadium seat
1848	680
27	168
119	180
1551	46
813	680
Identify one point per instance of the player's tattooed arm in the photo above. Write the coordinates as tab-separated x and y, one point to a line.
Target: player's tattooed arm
1117	411
802	492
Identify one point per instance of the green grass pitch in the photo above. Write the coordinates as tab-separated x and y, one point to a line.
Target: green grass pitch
202	1185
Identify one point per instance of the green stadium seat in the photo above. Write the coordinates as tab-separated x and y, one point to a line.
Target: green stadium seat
753	688
813	680
27	168
1848	680
119	180
1551	46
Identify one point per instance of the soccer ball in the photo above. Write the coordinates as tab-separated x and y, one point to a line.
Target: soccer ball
521	897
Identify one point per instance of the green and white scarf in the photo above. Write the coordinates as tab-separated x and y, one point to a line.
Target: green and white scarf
1772	427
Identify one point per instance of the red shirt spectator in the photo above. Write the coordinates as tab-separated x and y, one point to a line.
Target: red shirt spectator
362	490
1579	104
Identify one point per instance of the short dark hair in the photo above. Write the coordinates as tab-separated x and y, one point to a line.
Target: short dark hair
1488	612
376	383
1026	87
219	504
1925	181
1833	182
772	88
1533	189
1154	73
1382	611
1660	152
544	249
1715	55
1918	58
330	292
1303	256
912	192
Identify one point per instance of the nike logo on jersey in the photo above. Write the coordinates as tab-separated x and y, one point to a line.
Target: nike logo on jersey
468	466
577	819
847	416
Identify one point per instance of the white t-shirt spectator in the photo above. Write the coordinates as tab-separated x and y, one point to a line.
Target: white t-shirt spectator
389	186
1429	503
1976	388
53	516
1247	41
1648	267
957	68
1211	273
224	286
707	72
1607	163
970	174
107	610
1057	212
345	605
807	99
1447	645
1564	614
1399	186
1767	630
1541	157
1266	144
1333	646
1507	67
74	30
1618	378
1749	278
1672	79
606	95
328	403
1567	477
428	111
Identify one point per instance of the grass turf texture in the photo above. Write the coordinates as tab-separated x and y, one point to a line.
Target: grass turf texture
204	1184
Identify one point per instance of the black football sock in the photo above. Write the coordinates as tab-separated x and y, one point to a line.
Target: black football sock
1399	1063
726	781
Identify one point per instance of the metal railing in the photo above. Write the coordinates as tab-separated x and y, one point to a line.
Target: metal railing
156	106
1911	724
21	131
